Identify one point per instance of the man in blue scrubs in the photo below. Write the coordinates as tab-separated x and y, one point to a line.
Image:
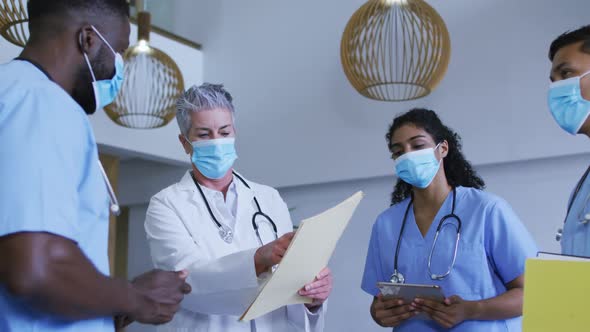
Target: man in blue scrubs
569	103
54	204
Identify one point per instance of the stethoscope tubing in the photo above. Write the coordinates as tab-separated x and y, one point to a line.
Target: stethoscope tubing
585	221
258	213
452	215
114	203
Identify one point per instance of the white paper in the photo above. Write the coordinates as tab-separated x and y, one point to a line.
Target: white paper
309	252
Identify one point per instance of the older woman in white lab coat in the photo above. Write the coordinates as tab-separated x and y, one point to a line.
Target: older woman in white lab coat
204	224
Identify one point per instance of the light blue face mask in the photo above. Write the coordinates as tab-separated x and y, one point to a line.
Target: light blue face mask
105	91
214	157
418	168
569	109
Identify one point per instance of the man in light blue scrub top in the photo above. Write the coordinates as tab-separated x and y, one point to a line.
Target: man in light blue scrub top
569	103
54	204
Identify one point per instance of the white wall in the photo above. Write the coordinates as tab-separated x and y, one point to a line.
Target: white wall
537	190
163	15
139	179
298	113
197	20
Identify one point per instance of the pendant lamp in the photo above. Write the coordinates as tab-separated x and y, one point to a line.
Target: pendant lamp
152	83
14	25
395	50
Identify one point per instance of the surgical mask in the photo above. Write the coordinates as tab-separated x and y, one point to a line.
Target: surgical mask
105	91
418	168
214	157
569	109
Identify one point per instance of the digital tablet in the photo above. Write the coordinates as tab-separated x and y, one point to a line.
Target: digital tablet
408	292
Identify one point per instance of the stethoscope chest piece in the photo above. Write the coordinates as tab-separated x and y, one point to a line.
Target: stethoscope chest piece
397	278
559	234
226	234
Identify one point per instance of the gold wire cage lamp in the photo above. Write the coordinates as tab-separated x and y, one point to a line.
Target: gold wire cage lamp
14	21
395	50
152	84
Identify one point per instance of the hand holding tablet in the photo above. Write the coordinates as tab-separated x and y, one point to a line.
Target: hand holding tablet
409	292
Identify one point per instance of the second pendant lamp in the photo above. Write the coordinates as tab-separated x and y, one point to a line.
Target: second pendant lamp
152	83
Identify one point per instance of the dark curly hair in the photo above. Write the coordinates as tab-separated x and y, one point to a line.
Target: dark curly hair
458	170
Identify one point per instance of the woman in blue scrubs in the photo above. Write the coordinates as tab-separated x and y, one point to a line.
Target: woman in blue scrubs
437	189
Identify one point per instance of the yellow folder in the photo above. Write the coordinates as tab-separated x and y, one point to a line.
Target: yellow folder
556	296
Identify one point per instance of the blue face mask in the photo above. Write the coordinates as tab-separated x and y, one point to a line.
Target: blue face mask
417	168
214	157
105	91
569	109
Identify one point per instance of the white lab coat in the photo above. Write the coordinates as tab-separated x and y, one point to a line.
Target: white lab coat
182	235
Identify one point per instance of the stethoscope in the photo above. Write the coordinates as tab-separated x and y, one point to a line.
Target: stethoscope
114	203
224	231
397	277
582	218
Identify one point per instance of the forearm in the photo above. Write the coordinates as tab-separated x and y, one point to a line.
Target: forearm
504	306
82	295
53	275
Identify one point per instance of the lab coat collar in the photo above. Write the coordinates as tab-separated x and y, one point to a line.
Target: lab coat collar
187	184
245	201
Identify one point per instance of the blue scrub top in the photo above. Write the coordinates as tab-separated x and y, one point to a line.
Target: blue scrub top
492	250
576	235
50	182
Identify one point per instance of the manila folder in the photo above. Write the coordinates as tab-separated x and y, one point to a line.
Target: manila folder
309	252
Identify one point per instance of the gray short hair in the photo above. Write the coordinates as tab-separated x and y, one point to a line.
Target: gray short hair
201	98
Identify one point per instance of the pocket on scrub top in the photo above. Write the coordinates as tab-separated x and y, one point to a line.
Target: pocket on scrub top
466	277
469	274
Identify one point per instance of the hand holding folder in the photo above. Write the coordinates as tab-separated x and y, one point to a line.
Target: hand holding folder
309	252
